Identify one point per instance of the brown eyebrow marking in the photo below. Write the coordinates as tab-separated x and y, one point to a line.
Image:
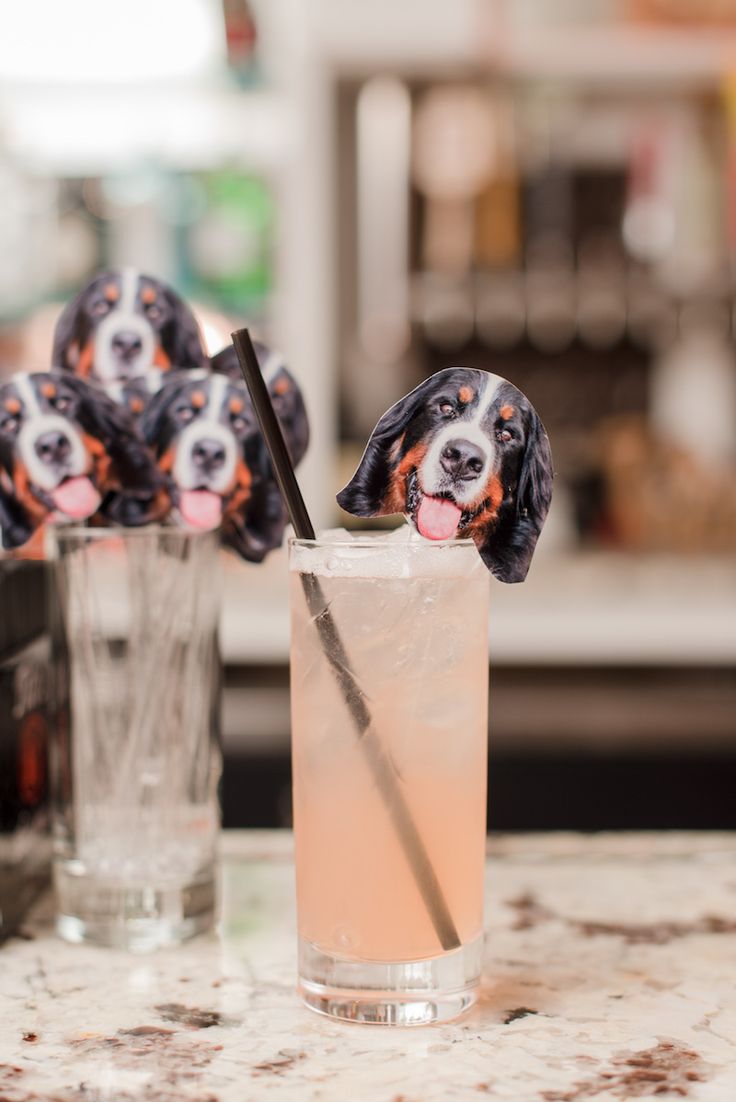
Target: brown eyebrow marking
48	390
466	394
236	405
111	292
507	412
148	295
281	387
198	399
12	405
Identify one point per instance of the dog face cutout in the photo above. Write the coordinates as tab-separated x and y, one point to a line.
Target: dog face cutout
284	391
67	452
122	324
464	455
205	437
135	394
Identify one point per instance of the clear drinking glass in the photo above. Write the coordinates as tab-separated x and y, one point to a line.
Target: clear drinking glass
136	759
389	684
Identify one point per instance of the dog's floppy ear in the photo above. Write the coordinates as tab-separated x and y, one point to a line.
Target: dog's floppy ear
181	339
288	402
300	428
136	509
365	492
260	527
535	481
509	546
68	335
16	524
132	467
286	394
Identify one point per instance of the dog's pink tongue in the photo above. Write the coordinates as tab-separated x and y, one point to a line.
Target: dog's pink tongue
76	498
438	518
200	508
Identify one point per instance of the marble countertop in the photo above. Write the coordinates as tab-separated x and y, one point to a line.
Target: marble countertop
610	974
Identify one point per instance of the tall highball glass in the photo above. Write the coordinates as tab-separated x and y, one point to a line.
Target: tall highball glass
389	682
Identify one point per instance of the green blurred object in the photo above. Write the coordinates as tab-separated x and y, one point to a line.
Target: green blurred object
229	249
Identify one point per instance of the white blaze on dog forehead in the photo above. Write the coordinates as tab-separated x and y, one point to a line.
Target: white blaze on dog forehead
128	290
492	383
154	380
216	399
197	373
116	391
27	393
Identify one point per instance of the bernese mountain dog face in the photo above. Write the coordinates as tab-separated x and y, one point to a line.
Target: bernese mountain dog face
135	394
203	431
284	391
122	324
464	455
68	451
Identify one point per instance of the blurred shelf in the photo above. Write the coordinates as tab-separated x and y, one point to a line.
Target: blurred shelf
602	608
68	132
357	38
591	608
618	55
548	711
354	37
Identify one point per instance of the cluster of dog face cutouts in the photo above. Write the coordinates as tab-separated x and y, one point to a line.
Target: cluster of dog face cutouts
135	424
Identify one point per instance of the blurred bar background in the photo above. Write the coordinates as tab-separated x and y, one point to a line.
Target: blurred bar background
545	189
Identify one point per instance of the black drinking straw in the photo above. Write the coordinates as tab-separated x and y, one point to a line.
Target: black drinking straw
378	760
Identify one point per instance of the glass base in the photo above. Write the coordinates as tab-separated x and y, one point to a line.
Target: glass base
416	992
140	918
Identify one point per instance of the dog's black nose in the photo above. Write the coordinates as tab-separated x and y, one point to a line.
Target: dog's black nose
462	459
126	344
53	447
208	455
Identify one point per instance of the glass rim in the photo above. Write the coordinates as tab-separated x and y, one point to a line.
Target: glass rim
115	531
370	540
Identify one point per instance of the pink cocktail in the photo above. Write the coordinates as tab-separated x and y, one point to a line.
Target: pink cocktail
413	618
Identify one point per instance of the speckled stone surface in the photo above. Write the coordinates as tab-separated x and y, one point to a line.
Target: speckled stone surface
610	974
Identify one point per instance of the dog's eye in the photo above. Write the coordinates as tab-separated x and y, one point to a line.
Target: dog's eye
10	424
504	435
239	424
100	308
447	409
185	414
61	404
153	311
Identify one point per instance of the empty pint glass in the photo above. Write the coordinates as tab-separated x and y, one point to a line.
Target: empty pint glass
136	757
